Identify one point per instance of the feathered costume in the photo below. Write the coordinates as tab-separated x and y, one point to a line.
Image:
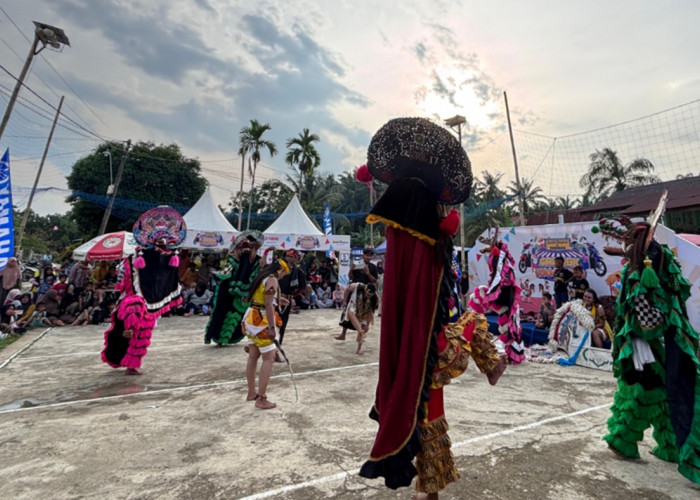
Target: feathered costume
149	287
420	351
502	296
654	353
225	323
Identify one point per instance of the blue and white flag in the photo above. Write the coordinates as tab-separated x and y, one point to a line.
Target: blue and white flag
327	227
7	226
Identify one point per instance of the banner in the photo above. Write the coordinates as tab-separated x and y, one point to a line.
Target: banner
328	228
7	226
534	249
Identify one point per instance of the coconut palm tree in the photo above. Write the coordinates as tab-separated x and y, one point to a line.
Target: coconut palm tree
487	190
251	141
302	154
567	203
531	195
607	174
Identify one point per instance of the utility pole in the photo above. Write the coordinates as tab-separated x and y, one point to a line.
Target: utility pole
521	197
458	121
120	171
45	34
240	192
36	181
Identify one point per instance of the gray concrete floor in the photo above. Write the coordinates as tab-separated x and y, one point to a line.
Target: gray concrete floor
71	427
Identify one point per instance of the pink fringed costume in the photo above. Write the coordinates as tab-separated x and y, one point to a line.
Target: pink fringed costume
149	288
502	296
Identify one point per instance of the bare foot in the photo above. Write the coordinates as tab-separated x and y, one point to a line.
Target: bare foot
132	371
496	373
278	358
264	404
339	337
246	349
251	397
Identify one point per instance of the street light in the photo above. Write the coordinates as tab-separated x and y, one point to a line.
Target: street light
47	35
458	121
110	188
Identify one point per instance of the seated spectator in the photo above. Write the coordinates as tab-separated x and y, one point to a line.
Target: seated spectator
12	297
53	307
38	317
62	284
338	296
26	307
70	305
547	311
200	301
311	297
8	321
45	287
602	334
325	295
189	277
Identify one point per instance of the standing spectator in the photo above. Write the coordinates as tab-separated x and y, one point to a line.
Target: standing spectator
368	273
578	284
562	277
11	276
100	273
80	274
338	295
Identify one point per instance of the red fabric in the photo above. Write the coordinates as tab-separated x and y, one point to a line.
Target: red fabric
436	405
411	281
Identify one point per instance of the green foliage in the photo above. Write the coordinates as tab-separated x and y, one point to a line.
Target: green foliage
154	174
607	174
50	233
251	142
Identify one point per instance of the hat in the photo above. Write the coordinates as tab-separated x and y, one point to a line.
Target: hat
292	253
248	238
368	250
417	147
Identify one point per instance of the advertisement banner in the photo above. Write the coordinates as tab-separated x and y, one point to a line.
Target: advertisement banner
534	249
7	225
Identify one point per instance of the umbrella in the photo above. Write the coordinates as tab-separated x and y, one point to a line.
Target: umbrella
110	246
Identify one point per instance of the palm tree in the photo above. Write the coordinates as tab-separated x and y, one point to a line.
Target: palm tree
566	203
531	195
251	141
607	174
487	190
302	154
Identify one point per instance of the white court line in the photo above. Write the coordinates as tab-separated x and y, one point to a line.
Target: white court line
343	475
97	352
181	388
9	360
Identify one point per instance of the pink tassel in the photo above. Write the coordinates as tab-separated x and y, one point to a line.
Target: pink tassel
139	263
174	261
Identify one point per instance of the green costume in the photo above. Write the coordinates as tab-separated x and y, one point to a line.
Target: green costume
655	356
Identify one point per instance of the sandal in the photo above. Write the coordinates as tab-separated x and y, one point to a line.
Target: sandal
264	404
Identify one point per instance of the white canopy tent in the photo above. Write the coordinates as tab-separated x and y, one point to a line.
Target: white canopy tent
207	227
294	229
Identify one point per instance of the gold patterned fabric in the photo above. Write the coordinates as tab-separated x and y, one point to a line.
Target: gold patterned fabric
435	462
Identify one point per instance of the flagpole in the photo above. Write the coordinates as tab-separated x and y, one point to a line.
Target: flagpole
25	216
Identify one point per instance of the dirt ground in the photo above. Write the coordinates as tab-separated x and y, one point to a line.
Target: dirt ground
71	427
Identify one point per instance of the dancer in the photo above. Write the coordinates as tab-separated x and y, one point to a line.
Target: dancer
360	304
501	295
419	353
261	321
225	324
149	288
654	351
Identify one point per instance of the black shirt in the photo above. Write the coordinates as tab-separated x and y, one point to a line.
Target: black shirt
358	275
560	285
579	286
292	282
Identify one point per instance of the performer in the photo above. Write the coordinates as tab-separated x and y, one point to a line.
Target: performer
261	321
292	286
149	288
501	295
654	351
425	167
224	325
360	302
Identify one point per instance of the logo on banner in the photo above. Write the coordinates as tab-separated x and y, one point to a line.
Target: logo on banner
540	255
111	242
7	226
208	239
307	242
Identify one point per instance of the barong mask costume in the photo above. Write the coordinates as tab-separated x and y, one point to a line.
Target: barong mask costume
149	287
501	295
224	326
425	167
654	350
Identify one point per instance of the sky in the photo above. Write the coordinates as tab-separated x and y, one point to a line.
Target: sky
194	72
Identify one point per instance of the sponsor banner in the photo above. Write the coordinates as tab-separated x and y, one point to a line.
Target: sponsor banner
208	240
7	225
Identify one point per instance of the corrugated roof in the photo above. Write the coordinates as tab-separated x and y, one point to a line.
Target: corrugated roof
682	193
552	217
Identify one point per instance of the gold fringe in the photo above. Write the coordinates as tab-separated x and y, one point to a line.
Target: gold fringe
435	462
373	218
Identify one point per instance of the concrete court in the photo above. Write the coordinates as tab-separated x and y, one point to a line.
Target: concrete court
71	427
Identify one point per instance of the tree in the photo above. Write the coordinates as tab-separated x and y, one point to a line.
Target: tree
531	195
251	142
153	175
269	200
607	174
487	190
50	233
302	154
